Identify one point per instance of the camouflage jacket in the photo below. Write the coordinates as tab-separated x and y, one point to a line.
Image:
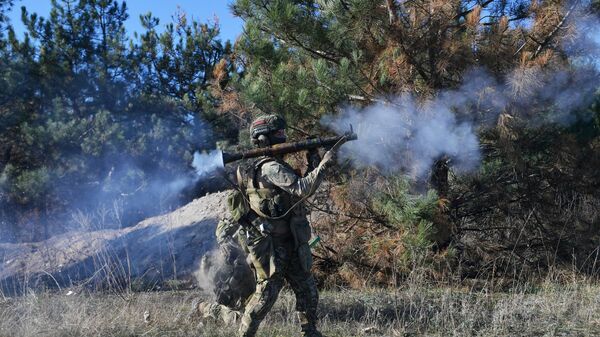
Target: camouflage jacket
276	173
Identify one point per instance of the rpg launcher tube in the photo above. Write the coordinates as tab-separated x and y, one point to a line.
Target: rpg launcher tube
280	149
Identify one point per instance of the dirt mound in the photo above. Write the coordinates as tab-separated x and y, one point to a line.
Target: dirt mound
158	249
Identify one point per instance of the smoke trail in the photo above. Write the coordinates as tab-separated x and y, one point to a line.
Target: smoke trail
408	134
584	45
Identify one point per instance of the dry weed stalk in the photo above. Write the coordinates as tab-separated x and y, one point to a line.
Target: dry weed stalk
418	308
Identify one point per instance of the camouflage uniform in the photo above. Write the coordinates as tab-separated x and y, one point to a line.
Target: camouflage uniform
268	206
234	280
278	245
216	311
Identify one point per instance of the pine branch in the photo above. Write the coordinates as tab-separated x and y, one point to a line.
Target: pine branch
548	39
365	99
516	18
554	31
293	41
468	11
411	59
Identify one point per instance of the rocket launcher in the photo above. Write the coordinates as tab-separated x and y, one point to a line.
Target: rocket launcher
280	149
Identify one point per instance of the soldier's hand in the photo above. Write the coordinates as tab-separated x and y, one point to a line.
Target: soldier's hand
329	156
328	159
313	159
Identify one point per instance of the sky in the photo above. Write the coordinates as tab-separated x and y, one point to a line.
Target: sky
200	10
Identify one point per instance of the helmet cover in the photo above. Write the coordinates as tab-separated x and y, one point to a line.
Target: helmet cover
271	126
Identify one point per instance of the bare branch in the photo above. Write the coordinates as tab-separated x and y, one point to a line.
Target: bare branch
464	13
554	31
548	39
392	11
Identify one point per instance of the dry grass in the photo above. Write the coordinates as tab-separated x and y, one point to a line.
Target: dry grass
548	309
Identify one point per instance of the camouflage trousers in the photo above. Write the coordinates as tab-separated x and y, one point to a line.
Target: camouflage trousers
276	262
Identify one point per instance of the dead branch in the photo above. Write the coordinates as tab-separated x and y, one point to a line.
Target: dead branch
554	31
548	39
464	13
391	7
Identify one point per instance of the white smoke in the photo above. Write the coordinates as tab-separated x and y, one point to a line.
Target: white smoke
584	44
210	265
408	134
206	163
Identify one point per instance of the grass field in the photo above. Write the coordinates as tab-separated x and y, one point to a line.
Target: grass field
549	309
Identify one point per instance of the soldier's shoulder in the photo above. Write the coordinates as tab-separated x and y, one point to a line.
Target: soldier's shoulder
270	165
278	173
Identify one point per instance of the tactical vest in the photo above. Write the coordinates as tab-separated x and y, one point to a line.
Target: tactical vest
279	209
268	202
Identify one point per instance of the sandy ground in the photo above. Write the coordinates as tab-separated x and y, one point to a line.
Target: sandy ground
161	248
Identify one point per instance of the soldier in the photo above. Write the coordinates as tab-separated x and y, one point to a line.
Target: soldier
278	230
274	233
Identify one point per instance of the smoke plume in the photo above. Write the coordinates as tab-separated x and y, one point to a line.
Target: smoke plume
408	136
408	133
206	163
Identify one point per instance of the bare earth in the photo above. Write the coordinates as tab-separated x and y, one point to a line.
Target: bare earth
161	248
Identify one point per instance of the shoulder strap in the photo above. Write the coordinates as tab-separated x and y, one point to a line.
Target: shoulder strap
256	166
252	181
240	178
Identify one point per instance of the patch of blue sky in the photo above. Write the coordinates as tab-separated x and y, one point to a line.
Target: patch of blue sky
199	10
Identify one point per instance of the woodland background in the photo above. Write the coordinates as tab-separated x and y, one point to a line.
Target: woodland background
94	120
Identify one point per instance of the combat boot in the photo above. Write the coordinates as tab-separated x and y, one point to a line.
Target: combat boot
309	330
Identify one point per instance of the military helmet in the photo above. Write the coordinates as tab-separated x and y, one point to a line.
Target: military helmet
268	128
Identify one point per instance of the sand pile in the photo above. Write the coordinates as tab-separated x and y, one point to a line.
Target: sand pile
157	249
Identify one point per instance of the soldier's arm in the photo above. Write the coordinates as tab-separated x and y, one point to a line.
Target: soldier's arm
286	179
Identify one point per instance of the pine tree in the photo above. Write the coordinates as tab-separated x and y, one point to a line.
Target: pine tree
5	6
89	111
308	58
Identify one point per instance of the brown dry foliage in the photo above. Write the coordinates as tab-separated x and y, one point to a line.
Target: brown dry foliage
428	47
473	18
230	101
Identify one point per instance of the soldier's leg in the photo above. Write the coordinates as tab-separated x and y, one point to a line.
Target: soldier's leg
307	300
259	305
269	258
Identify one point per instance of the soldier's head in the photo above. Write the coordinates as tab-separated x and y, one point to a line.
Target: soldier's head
267	130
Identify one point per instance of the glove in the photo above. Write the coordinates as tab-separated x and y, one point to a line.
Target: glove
313	159
328	159
329	156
